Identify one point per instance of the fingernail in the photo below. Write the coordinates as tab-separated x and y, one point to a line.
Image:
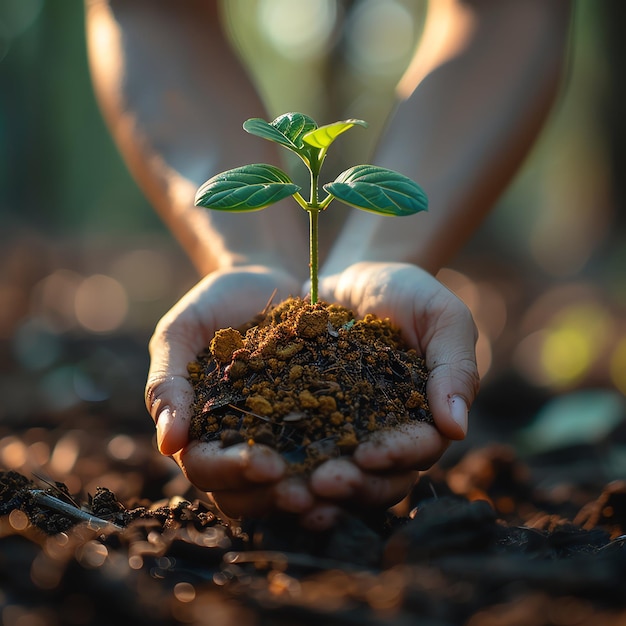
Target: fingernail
165	419
458	412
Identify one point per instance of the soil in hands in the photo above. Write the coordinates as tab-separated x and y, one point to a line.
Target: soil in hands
308	380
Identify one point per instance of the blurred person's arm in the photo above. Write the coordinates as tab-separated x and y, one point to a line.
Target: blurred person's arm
471	104
174	96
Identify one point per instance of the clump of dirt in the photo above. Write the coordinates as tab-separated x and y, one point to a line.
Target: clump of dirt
308	380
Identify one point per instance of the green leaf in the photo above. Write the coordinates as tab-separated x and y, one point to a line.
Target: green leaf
379	190
286	130
323	136
247	188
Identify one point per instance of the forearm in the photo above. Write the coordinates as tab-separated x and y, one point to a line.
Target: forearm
174	96
463	132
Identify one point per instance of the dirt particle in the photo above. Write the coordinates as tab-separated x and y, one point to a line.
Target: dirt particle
348	441
336	418
327	404
308	400
295	372
288	351
311	324
416	399
259	405
225	342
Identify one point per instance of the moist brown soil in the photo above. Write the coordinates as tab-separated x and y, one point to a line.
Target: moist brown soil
308	380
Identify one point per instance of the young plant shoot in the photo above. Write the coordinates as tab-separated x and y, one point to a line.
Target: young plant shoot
254	187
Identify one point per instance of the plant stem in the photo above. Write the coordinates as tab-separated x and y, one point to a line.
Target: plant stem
314	211
313	254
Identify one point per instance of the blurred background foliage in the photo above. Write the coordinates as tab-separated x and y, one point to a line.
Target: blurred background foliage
86	263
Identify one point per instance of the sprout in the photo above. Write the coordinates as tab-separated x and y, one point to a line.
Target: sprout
254	187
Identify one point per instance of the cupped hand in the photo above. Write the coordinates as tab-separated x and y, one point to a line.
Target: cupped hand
435	322
224	298
252	480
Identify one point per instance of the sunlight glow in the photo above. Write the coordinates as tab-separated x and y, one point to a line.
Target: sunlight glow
298	29
566	355
566	349
449	24
380	36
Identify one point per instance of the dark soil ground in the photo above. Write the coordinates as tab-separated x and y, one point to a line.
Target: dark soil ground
487	537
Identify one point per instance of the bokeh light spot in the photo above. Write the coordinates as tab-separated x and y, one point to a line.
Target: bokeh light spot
92	554
121	447
53	300
184	592
565	355
13	453
101	304
380	36
484	353
298	29
574	340
18	519
65	454
490	310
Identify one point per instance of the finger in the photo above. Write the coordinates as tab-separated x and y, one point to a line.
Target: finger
411	446
293	496
385	490
213	468
337	479
172	425
450	356
178	338
343	480
290	496
168	393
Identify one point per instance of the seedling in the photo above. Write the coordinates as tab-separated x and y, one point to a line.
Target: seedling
254	187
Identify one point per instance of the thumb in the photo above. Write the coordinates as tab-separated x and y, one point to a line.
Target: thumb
451	390
168	402
168	393
453	381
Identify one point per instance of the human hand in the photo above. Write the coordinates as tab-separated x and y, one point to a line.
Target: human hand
440	327
251	480
228	297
